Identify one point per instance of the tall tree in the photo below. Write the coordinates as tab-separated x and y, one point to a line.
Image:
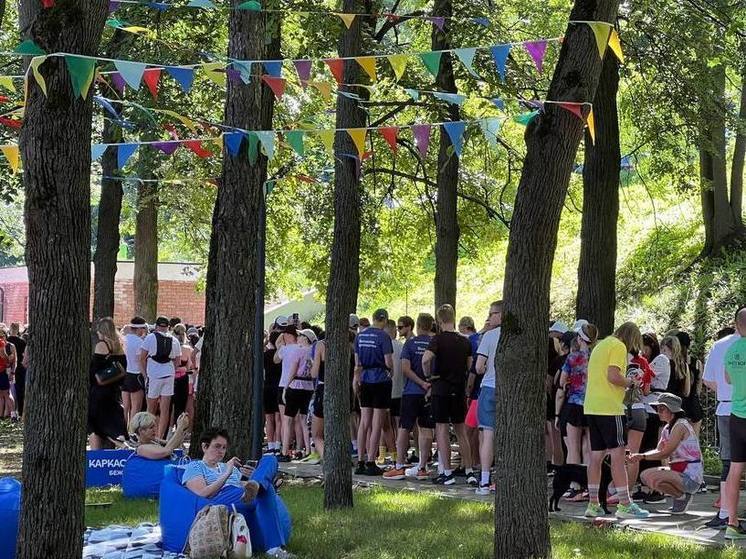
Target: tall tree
596	300
552	140
227	365
55	144
344	278
446	217
146	246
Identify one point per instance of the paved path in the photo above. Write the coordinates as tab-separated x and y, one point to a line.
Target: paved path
689	526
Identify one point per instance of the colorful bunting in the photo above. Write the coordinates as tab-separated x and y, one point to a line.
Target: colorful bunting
616	46
196	147
124	152
251	5
13	156
490	128
206	4
243	67
215	72
47	4
277	85
368	64
34	65
273	68
537	50
413	93
398	64
233	142
466	56
592	126
184	76
117	82
358	138
525	118
11	122
337	68
437	21
431	60
169	148
455	131
390	134
324	88
421	134
81	72
303	67
295	139
348	19
452	98
327	138
267	138
574	108
253	141
29	48
500	54
7	83
601	32
151	78
131	72
97	151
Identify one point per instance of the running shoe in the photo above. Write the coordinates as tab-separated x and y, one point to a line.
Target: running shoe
312	459
631	510
593	510
680	506
483	490
360	469
459	472
654	497
396	474
716	522
372	470
735	532
413	459
638	496
471	479
418	473
703	488
443	479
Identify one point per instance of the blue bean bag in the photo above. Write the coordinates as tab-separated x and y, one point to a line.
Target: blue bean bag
10	511
141	478
267	517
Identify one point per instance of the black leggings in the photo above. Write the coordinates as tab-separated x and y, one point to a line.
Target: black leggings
181	395
650	442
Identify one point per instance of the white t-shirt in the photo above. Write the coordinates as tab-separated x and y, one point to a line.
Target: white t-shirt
290	355
397	377
661	366
132	344
488	348
198	350
715	372
150	346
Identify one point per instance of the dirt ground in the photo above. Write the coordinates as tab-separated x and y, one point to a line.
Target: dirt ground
11	448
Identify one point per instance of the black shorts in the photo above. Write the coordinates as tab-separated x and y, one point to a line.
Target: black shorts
414	407
737	430
296	401
4	381
270	399
572	414
376	395
448	409
607	431
133	382
395	407
318	402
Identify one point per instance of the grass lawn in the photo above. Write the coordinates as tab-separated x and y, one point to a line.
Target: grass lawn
407	525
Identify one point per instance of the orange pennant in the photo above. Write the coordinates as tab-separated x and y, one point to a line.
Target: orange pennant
337	67
277	85
574	108
592	127
390	134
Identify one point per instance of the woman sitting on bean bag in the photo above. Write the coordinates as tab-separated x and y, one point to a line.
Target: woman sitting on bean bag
144	426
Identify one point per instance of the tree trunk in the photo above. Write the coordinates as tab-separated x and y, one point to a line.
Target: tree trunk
446	217
552	141
598	248
146	250
344	280
107	235
227	365
739	152
707	196
55	145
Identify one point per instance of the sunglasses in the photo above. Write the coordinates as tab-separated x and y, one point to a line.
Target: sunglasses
400	327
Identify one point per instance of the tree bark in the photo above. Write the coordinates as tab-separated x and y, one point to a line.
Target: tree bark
596	300
552	141
739	152
55	145
344	280
446	217
227	365
146	249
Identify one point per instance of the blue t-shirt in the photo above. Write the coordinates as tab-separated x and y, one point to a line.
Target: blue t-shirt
371	347
474	340
197	468
414	349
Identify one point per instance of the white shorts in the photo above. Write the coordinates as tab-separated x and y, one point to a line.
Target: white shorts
158	387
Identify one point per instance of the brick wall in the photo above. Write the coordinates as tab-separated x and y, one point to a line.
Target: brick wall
15	302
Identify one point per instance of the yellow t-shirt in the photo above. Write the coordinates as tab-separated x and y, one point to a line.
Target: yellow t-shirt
601	396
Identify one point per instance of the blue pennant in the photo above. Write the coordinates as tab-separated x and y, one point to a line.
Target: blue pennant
233	142
455	131
124	153
500	53
185	76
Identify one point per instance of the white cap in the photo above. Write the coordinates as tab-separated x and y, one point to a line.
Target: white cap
559	326
579	323
309	334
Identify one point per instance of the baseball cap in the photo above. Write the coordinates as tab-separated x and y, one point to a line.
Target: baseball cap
281	321
309	334
671	401
162	321
559	326
354	321
380	315
579	324
192	332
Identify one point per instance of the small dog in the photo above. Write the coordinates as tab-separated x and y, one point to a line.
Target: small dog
565	475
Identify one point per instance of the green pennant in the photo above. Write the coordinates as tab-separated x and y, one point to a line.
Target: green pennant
525	118
114	23
251	5
295	139
431	60
81	74
269	186
30	48
253	147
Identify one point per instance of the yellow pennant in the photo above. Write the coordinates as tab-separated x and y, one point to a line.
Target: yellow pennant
601	31
398	64
324	88
358	137
35	63
327	138
7	83
591	127
347	19
368	63
213	74
135	29
616	45
218	143
12	155
189	123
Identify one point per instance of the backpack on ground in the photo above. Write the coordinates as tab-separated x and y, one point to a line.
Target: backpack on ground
209	536
240	540
164	343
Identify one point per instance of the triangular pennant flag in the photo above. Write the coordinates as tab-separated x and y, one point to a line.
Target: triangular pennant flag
413	93
244	69
455	131
500	54
616	46
358	138
431	60
124	152
537	50
390	134
206	4
277	85
7	83
368	63
233	142
490	128
251	5
30	48
324	88
452	98
188	122
13	156
327	138
348	19
167	147
398	64
117	82
97	151
303	67
215	72
253	140
47	3
466	56
601	31
183	76
11	122
131	72
273	68
337	67
35	63
81	73
295	139
525	118
437	21
574	108
499	103
483	21
421	134
269	186
196	147
591	121
267	138
358	163
151	78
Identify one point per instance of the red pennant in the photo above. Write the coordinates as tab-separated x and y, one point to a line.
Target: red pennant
171	129
196	147
4	99
277	85
337	66
306	179
390	133
47	3
151	76
10	122
574	108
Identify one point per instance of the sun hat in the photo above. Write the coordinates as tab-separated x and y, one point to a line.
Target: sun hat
354	321
559	326
671	401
